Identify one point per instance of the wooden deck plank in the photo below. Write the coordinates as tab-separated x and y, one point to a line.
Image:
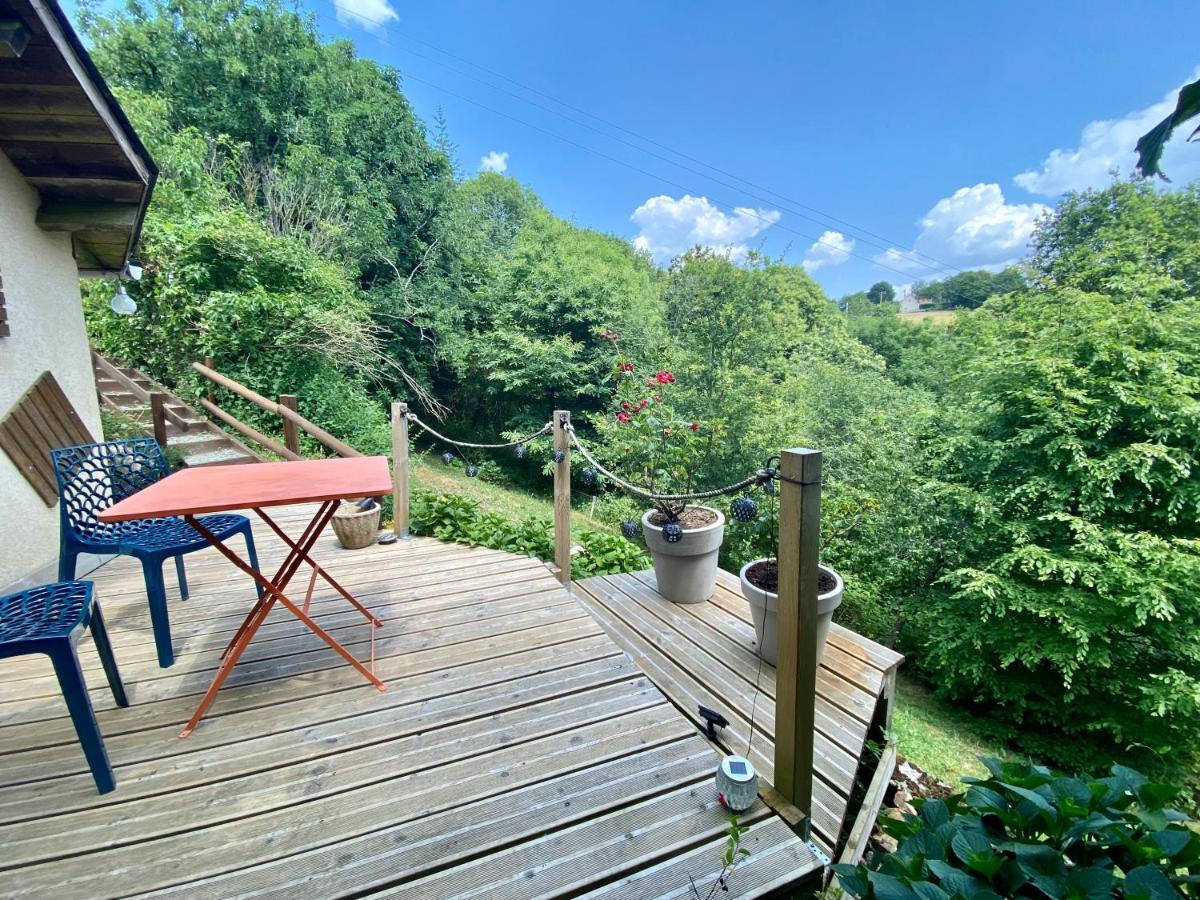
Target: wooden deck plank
513	727
776	853
705	654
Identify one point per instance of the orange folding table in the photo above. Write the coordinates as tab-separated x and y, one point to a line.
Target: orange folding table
193	492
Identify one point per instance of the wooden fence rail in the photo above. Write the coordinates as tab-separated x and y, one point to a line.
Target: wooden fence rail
285	412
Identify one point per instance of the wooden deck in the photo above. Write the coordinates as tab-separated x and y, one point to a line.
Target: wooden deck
703	654
518	752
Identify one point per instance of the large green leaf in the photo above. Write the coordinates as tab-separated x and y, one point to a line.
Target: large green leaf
1089	883
1149	883
1151	144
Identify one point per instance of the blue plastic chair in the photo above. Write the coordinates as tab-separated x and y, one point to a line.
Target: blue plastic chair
91	478
49	619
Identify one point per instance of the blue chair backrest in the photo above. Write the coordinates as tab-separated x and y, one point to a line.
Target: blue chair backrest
92	477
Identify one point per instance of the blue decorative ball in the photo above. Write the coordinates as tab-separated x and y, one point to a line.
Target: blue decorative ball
447	457
520	451
560	455
630	528
672	532
472	471
589	476
744	509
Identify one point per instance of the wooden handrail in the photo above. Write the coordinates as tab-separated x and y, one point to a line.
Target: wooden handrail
339	447
114	374
252	433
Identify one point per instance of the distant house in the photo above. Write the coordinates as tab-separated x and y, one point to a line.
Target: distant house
74	184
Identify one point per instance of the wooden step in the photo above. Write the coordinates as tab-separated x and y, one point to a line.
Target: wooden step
227	456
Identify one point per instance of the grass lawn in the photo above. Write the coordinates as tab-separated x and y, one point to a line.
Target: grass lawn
936	736
933	734
429	473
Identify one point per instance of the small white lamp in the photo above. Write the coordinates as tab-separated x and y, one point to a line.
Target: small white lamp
737	783
122	304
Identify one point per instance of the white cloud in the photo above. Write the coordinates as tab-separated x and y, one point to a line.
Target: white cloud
369	14
975	227
1108	144
832	248
670	226
495	161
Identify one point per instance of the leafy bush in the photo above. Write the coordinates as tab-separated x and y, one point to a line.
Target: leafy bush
1026	832
452	517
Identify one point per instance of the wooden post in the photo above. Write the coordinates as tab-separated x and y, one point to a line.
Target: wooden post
291	434
562	497
796	666
208	363
158	412
400	470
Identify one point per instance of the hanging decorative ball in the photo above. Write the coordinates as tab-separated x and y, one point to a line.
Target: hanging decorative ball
447	457
560	455
737	783
589	476
520	451
630	528
744	509
672	532
472	471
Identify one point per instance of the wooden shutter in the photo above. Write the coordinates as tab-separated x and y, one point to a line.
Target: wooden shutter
40	421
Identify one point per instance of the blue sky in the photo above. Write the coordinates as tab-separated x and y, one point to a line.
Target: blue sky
944	127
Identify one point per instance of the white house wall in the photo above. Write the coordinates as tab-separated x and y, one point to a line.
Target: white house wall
41	290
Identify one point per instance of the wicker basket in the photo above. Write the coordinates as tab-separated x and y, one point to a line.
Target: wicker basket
354	527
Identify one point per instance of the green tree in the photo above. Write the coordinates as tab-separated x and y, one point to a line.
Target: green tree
881	292
1079	445
1127	240
969	290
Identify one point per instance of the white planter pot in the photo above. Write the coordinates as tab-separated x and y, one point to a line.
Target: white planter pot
686	571
764	609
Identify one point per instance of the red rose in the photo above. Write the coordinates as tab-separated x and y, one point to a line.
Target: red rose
625	405
627	367
623	418
670	378
649	382
695	426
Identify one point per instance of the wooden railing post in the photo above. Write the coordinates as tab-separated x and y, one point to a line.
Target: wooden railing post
562	497
291	434
796	666
210	393
400	470
158	412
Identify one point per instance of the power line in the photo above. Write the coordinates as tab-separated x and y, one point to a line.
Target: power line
825	217
767	223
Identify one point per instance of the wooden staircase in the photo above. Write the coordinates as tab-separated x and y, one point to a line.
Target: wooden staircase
198	441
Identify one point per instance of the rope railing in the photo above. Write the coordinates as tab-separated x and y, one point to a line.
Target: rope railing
415	419
762	476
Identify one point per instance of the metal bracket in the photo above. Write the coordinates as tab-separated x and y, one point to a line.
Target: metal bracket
819	853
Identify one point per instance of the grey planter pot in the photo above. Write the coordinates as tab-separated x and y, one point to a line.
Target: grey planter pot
764	608
687	571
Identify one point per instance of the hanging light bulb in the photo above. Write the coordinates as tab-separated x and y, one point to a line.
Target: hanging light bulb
122	304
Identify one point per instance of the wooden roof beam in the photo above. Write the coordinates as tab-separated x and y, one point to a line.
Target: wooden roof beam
62	215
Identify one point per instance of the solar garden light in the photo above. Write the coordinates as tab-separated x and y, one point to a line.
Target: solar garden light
737	783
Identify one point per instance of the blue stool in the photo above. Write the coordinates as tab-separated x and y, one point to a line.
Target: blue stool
91	478
49	619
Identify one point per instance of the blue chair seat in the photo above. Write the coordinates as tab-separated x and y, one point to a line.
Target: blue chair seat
50	619
173	534
91	478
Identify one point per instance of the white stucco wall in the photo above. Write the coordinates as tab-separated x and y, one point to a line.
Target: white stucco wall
41	290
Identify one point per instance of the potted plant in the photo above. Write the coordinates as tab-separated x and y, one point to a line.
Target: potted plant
655	447
760	578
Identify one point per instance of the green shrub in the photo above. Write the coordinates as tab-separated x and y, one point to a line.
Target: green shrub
1027	832
452	517
605	553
